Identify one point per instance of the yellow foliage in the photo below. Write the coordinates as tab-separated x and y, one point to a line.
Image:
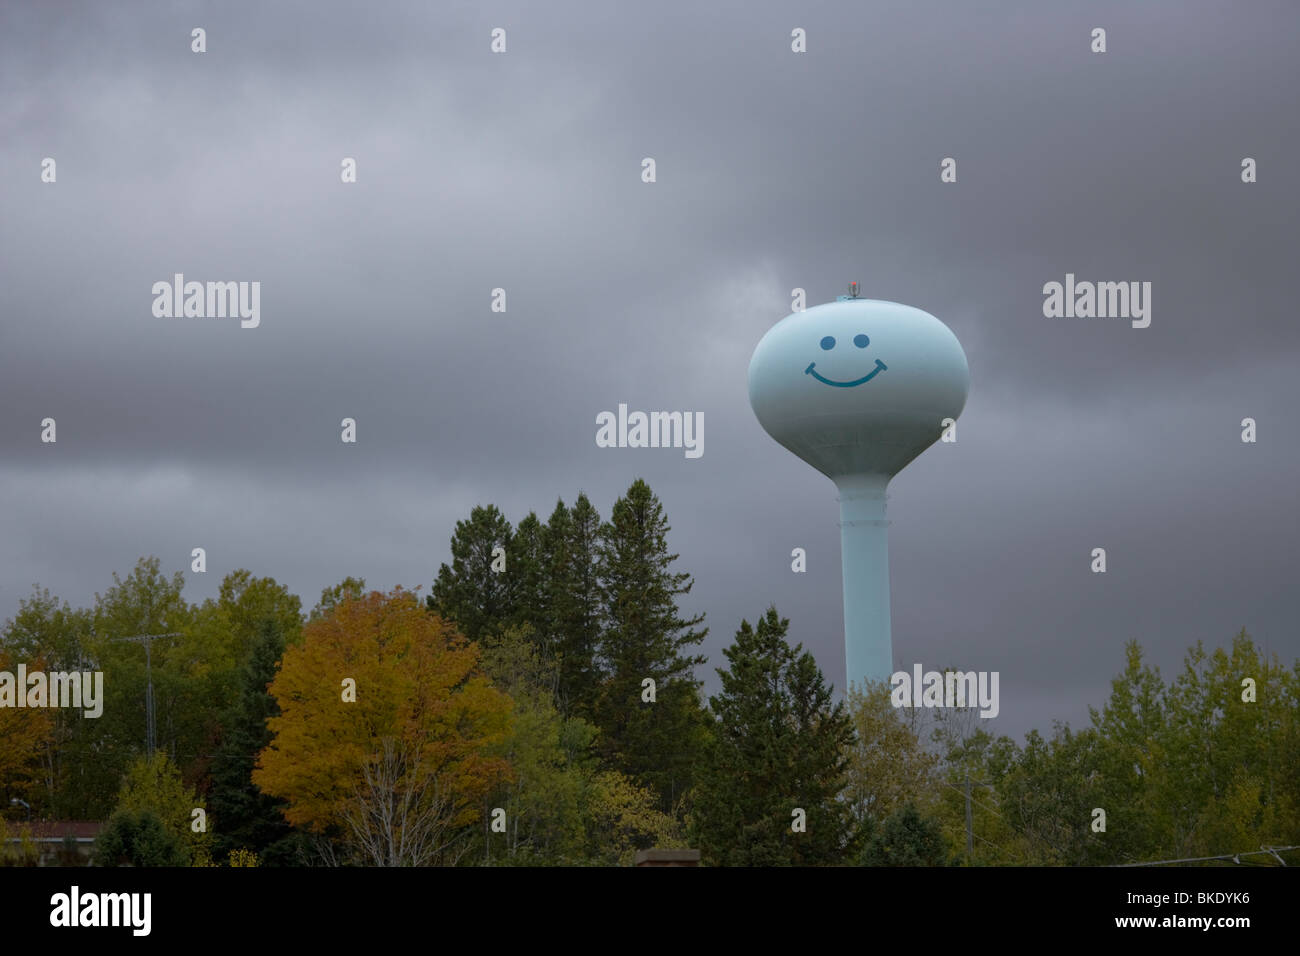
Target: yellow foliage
622	818
24	734
418	686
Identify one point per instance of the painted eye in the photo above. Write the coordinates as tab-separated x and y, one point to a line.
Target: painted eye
828	343
861	341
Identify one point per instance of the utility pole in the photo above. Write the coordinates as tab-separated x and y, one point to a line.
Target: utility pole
970	834
147	640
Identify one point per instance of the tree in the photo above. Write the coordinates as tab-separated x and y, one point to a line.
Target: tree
779	746
622	818
153	784
576	604
530	598
976	762
889	765
416	740
560	807
468	592
244	818
25	736
1048	796
145	602
402	811
906	839
247	602
139	838
656	743
1132	764
1201	766
46	629
549	760
213	652
1231	760
348	589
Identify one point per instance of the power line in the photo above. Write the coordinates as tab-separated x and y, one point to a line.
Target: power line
1272	851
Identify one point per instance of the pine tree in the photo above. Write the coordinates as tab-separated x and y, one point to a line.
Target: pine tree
139	838
906	839
530	598
657	743
469	592
573	580
779	746
243	816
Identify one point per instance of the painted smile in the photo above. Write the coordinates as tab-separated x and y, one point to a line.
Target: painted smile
880	367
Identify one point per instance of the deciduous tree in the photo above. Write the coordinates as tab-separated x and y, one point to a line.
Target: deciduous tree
418	684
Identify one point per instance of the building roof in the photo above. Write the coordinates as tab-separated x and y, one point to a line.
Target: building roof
56	829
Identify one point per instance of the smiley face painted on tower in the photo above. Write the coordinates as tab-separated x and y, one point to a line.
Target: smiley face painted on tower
849	413
828	343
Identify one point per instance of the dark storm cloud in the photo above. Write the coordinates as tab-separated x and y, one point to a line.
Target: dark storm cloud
775	171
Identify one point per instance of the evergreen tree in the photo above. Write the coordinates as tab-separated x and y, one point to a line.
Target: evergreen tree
154	784
657	743
243	816
779	745
576	603
906	839
530	598
139	838
480	600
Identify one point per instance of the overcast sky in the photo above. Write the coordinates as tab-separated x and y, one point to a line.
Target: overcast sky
775	170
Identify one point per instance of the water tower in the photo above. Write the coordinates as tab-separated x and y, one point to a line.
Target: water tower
858	388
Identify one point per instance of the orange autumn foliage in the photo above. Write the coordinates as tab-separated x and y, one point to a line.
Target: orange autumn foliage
418	687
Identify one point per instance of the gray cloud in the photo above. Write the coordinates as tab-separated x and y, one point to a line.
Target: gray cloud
775	171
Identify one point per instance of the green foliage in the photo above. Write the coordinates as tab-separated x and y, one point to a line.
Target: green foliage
575	603
195	675
658	744
906	839
560	808
139	838
244	818
154	784
47	629
145	602
586	611
479	600
348	589
599	602
779	744
548	757
1182	769
215	651
889	764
